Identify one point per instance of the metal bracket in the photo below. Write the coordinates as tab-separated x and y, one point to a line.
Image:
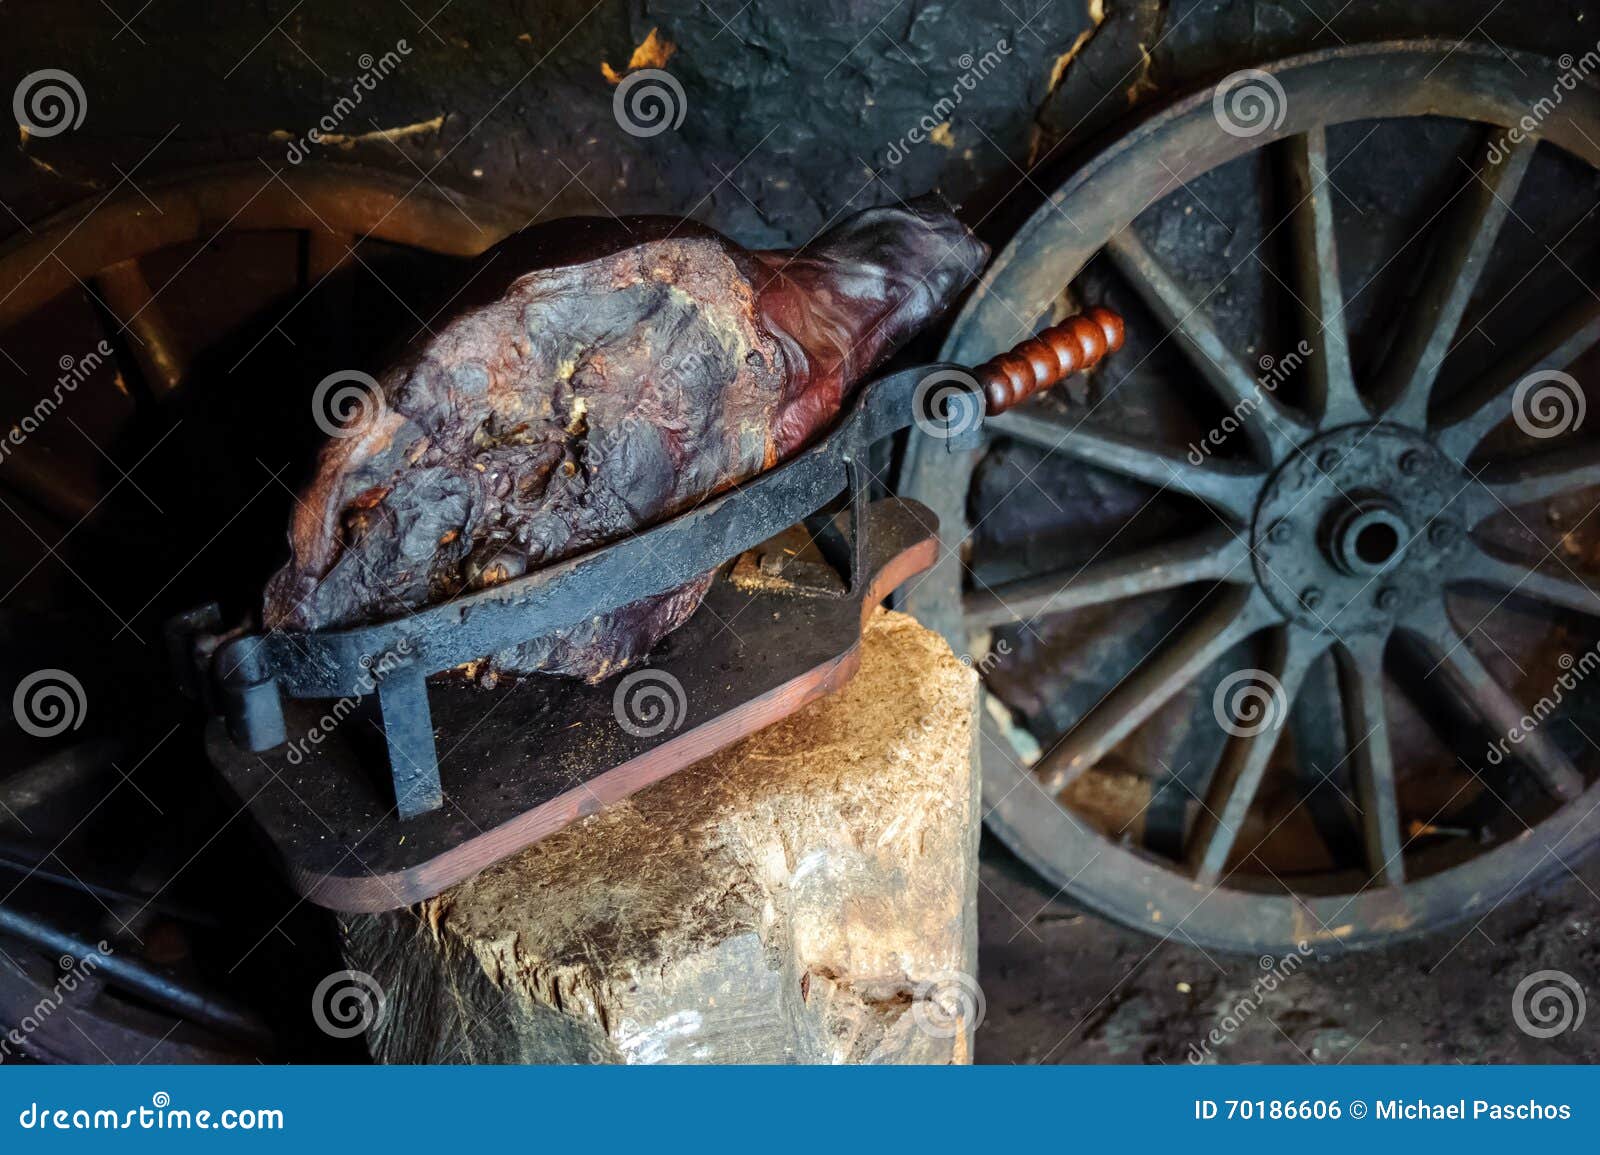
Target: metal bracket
245	677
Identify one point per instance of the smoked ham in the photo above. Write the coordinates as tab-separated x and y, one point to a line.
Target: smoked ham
599	376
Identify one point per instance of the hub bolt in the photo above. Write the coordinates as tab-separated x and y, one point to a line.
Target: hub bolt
1442	533
1280	532
1388	599
1311	597
1328	460
1411	463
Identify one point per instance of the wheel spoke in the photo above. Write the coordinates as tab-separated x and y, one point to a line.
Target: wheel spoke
1317	268
1227	487
1366	726
155	343
1216	556
1537	478
1487	402
1235	616
1522	579
1467	235
1272	428
1473	684
1244	762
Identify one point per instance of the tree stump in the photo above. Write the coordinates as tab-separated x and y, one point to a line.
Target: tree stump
807	895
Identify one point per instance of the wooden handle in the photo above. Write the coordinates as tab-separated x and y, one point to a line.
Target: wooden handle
1077	344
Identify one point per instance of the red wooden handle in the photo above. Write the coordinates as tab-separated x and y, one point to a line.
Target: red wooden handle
1077	344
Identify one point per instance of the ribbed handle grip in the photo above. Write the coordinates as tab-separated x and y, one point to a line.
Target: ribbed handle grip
1077	344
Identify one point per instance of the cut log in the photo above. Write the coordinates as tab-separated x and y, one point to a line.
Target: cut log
807	895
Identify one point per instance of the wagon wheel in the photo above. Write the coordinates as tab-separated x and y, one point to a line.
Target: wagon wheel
152	263
159	349
1259	674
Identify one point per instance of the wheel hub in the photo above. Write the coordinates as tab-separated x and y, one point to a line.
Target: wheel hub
1352	529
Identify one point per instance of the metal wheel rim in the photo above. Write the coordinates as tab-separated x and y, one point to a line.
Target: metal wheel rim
1388	80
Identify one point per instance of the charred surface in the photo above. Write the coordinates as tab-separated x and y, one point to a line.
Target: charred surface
600	377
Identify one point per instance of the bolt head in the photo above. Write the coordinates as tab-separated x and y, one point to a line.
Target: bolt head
1441	533
1388	599
1411	463
1311	597
1328	460
1280	532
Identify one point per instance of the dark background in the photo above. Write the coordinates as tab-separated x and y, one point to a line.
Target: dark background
793	112
793	108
